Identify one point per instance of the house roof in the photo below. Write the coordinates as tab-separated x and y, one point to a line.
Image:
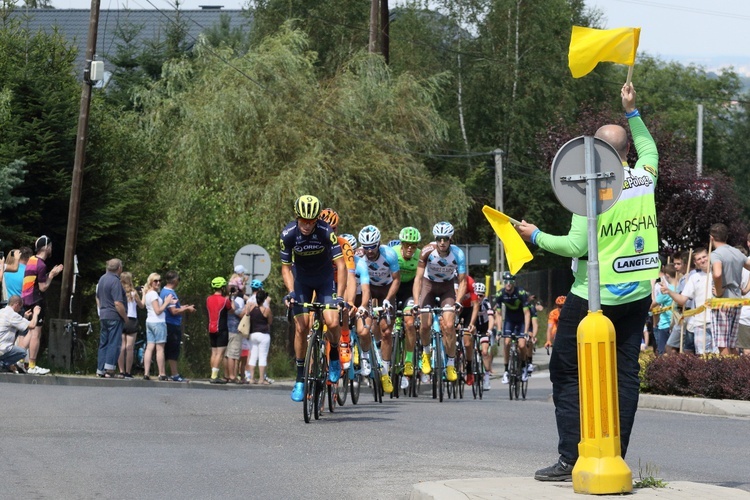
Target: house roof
74	25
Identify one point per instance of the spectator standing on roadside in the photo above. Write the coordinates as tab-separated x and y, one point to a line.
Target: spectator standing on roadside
112	317
12	323
218	306
173	320
661	332
625	290
726	269
36	280
234	342
698	327
156	326
13	279
8	266
130	330
262	317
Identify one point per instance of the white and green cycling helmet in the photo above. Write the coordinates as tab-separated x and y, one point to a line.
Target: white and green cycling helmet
410	235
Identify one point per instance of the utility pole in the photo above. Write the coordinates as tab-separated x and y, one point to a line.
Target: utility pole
699	143
71	235
499	253
385	31
372	47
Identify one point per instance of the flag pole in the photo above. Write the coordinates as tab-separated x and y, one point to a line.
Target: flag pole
630	75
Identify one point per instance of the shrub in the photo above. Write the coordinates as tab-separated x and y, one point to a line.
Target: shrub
715	377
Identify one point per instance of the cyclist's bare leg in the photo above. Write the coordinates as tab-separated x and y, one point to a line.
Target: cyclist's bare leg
522	351
449	333
506	351
363	333
468	346
35	336
486	356
425	323
300	336
386	340
410	332
331	318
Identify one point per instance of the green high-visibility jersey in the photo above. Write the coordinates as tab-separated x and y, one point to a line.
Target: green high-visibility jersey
627	233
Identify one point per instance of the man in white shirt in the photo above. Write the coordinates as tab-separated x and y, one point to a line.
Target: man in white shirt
696	286
12	323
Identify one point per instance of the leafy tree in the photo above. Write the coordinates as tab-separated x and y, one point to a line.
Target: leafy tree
238	147
337	29
40	106
222	34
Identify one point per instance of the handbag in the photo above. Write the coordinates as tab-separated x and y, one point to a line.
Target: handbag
244	326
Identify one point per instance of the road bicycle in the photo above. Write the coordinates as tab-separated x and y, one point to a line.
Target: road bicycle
455	389
315	377
477	367
438	359
516	384
78	354
351	378
398	354
376	358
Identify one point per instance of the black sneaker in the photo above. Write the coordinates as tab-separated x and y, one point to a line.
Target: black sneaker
561	471
217	381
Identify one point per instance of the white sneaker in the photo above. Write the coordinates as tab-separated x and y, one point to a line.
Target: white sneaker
365	368
38	370
530	368
505	378
486	381
404	382
524	375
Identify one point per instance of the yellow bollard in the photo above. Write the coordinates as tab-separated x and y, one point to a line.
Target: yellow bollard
600	468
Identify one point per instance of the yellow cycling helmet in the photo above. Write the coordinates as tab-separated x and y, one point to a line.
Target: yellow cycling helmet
307	207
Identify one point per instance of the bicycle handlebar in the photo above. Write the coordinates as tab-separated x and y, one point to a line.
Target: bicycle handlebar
430	309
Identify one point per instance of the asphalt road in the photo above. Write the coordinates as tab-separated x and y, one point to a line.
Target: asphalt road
162	442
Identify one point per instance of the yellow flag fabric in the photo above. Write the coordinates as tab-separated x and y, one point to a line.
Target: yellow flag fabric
516	250
589	47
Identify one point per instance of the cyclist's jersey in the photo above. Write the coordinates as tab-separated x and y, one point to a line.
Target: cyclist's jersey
382	269
485	311
361	273
469	297
441	269
530	305
348	253
408	267
554	316
312	254
515	303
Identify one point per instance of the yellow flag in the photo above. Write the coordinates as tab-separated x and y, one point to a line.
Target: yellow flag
516	250
589	47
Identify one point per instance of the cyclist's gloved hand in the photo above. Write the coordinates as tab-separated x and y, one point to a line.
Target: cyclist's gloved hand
339	302
291	297
362	311
387	304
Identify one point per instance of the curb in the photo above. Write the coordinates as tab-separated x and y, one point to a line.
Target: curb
719	407
512	488
92	381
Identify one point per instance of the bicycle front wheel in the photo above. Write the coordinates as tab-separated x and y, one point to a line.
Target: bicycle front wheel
397	362
376	373
342	388
321	381
439	369
512	373
78	356
310	378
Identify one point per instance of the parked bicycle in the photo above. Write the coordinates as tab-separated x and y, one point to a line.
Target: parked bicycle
78	354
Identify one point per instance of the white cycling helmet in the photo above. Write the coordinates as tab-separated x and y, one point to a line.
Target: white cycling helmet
442	229
479	288
350	239
369	235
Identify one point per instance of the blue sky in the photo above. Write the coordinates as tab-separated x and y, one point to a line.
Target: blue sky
712	34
